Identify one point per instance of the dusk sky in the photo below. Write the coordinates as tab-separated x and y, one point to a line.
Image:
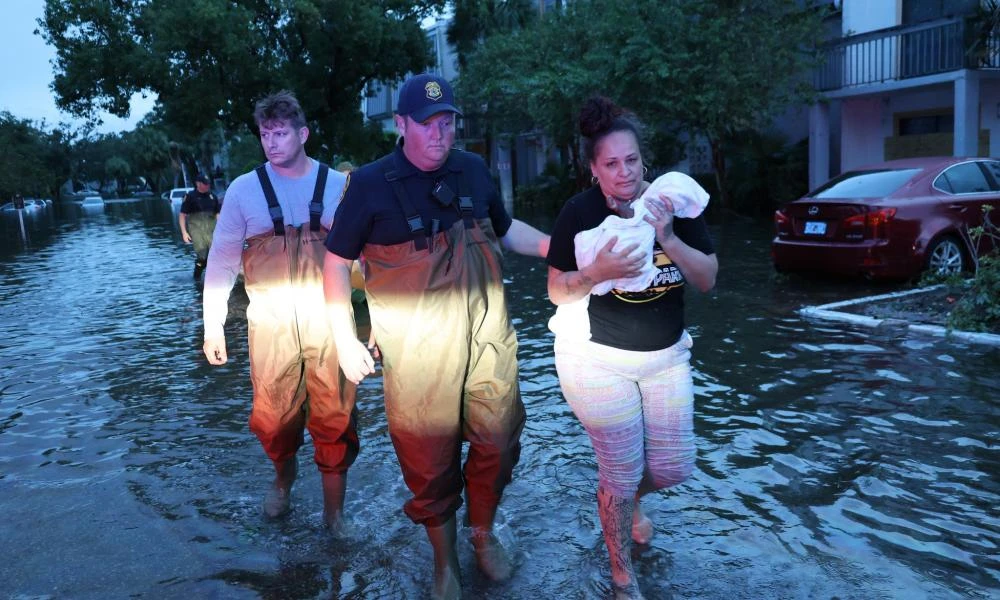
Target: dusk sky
26	72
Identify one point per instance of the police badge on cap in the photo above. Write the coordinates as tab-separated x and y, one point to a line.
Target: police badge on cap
423	96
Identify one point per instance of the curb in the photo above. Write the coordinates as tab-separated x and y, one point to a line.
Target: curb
829	312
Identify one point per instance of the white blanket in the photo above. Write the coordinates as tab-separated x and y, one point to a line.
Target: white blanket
689	199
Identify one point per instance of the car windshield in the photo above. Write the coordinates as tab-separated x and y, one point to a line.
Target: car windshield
865	184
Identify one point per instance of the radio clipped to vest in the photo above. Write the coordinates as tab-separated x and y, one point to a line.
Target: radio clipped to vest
445	197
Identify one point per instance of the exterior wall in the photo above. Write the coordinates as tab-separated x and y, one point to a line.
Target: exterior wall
869	15
864	126
989	113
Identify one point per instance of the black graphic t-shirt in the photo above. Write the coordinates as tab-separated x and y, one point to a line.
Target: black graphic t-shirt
644	321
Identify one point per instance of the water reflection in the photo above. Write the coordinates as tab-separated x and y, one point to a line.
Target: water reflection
833	461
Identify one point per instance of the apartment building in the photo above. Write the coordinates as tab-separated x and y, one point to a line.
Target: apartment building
906	78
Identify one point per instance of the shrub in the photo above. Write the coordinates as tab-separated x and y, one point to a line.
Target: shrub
978	309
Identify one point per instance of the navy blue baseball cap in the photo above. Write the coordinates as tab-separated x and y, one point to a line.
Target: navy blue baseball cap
423	96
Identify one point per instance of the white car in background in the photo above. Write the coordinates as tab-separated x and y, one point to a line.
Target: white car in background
176	195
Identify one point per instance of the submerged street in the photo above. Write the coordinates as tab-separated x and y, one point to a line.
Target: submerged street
833	460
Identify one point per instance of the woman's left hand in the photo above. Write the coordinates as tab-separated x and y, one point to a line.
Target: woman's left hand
661	217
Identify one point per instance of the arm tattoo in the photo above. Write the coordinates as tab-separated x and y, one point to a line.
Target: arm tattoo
570	283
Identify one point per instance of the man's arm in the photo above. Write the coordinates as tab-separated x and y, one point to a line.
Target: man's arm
354	358
182	221
525	239
224	261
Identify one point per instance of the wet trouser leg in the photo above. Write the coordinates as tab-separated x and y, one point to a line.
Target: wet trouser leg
493	420
201	227
431	411
637	408
276	371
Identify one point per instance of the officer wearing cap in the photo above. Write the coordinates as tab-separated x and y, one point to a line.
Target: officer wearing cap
430	228
199	211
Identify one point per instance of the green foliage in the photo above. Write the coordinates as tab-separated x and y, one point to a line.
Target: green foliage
33	160
118	170
549	191
209	61
765	171
710	68
475	20
978	308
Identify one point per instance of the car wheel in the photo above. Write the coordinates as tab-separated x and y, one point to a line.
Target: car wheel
944	256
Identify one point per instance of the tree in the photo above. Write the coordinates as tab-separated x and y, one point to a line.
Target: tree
148	153
712	68
209	61
34	160
117	170
475	20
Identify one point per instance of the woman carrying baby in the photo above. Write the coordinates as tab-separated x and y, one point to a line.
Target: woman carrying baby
630	383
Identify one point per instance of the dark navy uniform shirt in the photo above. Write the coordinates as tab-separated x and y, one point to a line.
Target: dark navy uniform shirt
195	202
370	213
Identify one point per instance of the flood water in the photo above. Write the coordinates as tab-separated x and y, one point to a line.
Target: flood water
833	461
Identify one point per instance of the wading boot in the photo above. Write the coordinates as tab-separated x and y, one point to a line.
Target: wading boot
334	489
199	267
616	520
491	557
447	579
278	500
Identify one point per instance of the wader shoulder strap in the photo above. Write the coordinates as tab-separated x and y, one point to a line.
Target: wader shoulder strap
465	201
316	206
413	219
272	201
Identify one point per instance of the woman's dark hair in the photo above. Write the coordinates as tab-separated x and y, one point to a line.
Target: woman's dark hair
599	117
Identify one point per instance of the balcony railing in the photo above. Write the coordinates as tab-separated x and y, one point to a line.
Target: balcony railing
901	53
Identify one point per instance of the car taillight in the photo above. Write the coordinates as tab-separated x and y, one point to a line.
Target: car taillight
873	223
781	222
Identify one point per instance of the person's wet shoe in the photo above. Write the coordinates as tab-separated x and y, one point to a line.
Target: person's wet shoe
278	500
447	577
447	585
334	490
491	557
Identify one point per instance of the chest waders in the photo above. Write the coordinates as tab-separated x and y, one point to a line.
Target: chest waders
449	361
201	226
296	378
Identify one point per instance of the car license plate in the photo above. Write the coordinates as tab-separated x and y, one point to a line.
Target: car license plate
815	228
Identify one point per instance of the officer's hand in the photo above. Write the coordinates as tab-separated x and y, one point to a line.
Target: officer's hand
186	236
215	350
354	359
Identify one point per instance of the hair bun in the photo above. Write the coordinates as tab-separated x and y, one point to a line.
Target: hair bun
597	115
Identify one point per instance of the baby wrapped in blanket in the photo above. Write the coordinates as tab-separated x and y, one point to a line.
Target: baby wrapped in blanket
689	200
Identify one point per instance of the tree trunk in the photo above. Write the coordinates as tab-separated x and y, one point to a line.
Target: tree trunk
719	167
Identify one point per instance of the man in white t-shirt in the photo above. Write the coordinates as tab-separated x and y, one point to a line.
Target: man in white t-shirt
274	222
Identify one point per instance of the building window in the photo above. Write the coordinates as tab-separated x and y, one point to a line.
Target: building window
919	124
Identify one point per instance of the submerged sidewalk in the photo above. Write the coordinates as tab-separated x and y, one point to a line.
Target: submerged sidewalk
833	312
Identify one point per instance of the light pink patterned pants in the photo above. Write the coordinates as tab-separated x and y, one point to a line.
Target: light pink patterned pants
637	408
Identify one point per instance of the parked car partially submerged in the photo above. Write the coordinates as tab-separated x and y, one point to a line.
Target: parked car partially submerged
176	195
92	201
891	220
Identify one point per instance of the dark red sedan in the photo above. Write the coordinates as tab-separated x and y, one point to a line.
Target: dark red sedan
890	220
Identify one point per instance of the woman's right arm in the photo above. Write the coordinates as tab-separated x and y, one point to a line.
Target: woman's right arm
570	286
